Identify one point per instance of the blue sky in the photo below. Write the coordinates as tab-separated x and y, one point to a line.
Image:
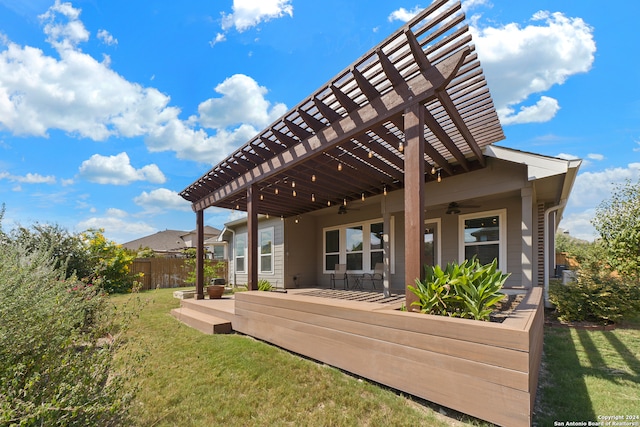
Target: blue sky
108	109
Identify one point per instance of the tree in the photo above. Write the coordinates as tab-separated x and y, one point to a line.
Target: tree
111	263
617	221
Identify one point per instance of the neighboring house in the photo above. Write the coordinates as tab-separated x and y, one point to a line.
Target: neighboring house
172	243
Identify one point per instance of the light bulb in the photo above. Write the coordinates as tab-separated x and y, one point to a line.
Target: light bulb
313	197
276	191
313	178
340	166
384	190
363	197
401	147
433	170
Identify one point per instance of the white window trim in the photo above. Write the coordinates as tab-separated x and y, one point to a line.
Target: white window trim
272	254
502	242
438	223
244	253
366	243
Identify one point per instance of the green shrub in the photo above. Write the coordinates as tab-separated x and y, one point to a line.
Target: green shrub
58	339
467	290
595	296
264	285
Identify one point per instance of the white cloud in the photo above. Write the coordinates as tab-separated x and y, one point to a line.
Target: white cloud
543	111
83	97
161	200
566	156
578	224
107	38
29	178
522	61
242	102
594	156
250	13
403	14
117	226
589	190
117	170
220	37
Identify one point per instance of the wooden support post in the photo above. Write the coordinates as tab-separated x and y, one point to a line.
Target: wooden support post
252	237
413	198
200	254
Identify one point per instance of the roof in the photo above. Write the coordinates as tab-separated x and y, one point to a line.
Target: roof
345	140
168	240
162	241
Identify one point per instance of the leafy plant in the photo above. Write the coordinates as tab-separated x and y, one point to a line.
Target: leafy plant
211	270
597	295
264	285
467	290
58	341
617	220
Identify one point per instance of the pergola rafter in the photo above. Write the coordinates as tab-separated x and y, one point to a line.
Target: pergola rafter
426	75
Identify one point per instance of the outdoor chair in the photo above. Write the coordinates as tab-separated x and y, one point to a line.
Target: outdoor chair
378	274
340	273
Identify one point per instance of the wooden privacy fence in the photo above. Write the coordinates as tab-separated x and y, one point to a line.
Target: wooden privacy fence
168	272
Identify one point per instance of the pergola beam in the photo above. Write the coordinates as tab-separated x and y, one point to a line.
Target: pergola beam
380	110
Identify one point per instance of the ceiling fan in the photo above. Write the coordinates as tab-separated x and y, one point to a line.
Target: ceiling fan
342	210
454	208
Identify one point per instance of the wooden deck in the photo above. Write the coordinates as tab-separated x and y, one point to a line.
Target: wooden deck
487	370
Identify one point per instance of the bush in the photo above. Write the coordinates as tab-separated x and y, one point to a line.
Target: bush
596	296
264	285
467	290
56	346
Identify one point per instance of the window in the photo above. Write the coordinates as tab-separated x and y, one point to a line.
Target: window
359	246
331	249
240	252
266	250
484	236
354	247
376	250
432	242
218	252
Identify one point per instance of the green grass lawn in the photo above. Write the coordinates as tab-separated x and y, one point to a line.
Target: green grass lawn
187	378
589	374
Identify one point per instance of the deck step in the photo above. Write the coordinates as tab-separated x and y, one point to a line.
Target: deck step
201	321
223	308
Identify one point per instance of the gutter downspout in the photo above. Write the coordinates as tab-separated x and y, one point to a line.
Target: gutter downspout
561	205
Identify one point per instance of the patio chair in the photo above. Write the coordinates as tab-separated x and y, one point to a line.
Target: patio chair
378	274
340	273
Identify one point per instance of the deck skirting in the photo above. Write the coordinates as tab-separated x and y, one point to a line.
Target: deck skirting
487	370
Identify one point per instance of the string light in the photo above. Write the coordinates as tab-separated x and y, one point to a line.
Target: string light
293	184
384	190
363	197
267	216
261	196
313	178
276	191
433	170
328	202
313	197
370	153
294	193
344	202
439	177
401	147
339	166
297	220
281	217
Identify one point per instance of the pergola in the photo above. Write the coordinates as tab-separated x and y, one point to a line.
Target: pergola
414	108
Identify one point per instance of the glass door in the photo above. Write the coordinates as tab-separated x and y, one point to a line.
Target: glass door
432	242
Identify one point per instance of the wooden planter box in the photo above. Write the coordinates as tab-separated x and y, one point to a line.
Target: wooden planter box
487	370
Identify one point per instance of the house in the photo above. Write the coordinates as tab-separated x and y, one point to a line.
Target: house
172	243
507	210
394	161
